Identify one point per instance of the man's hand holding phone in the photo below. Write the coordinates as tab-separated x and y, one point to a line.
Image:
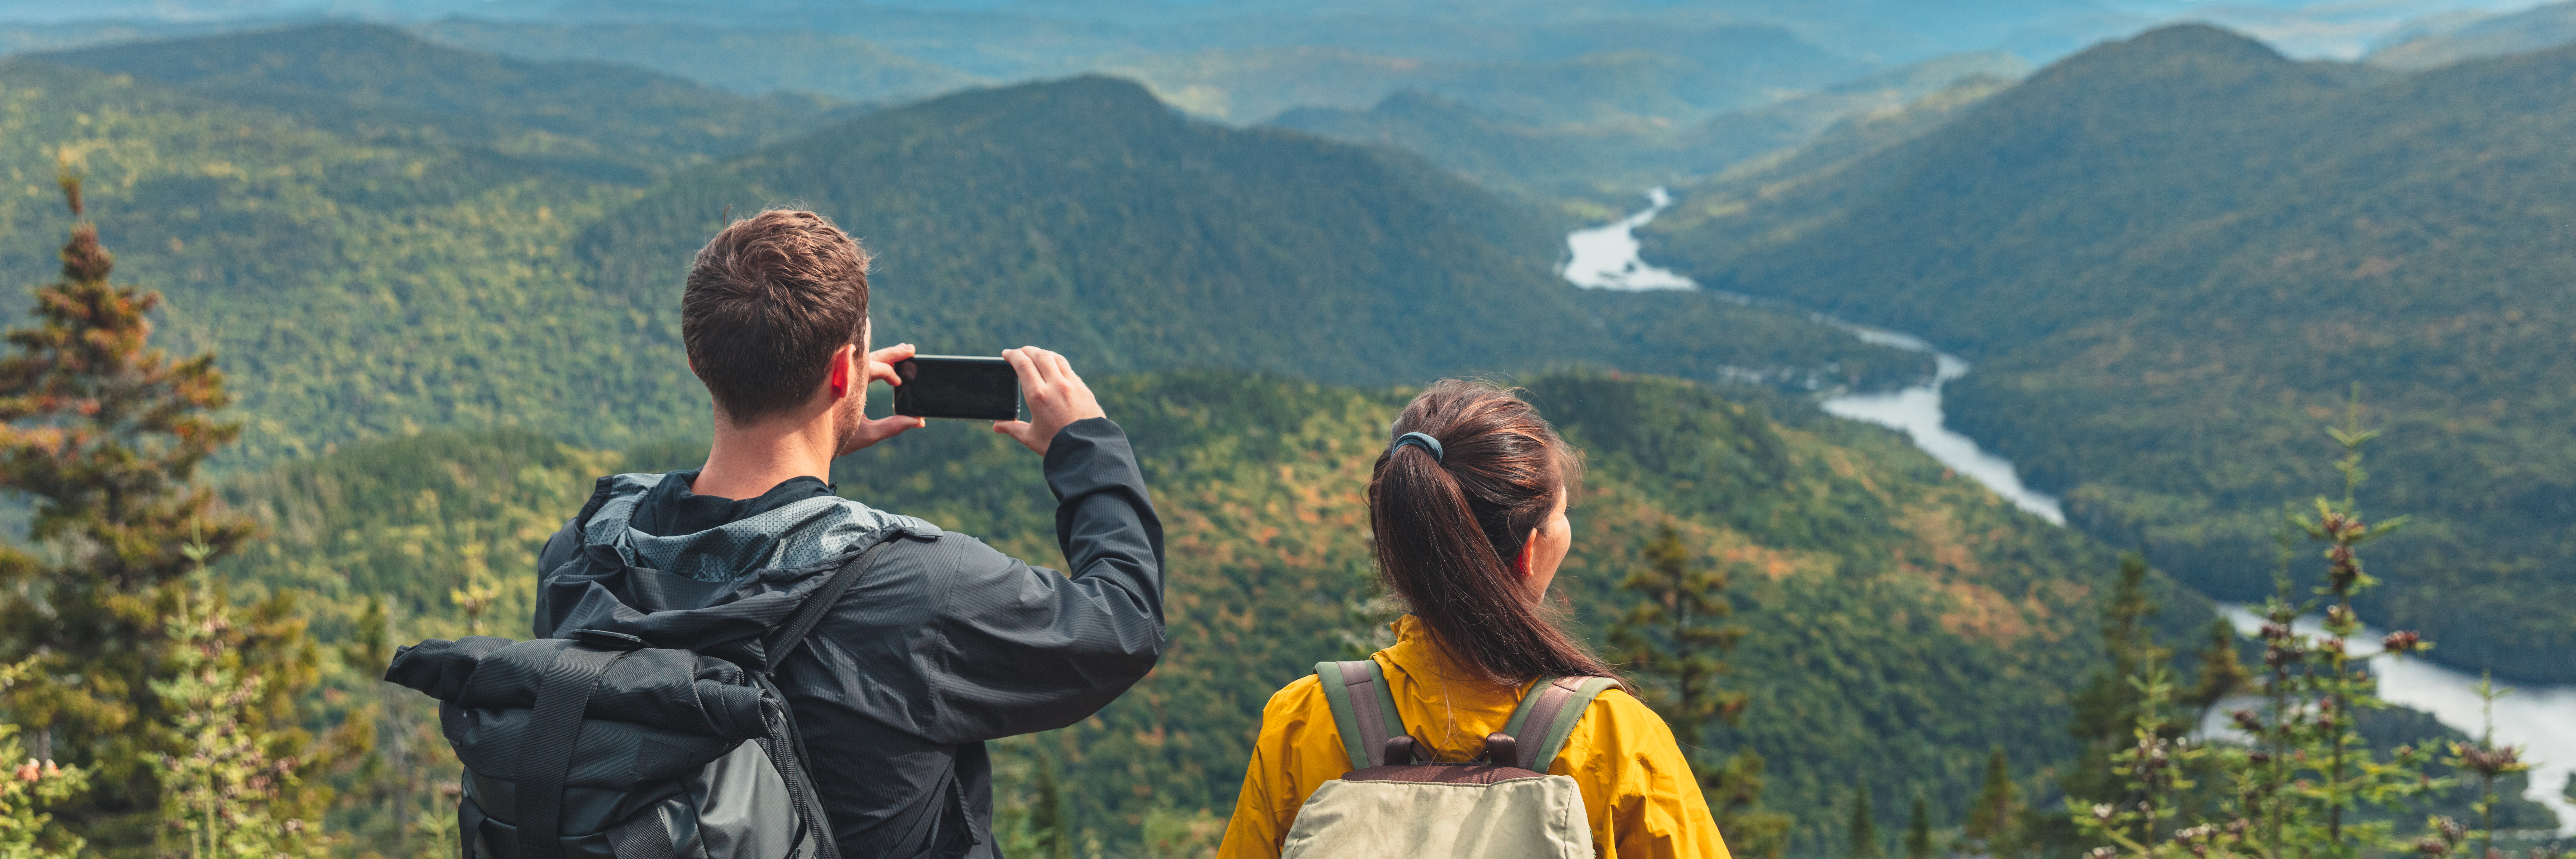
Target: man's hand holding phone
879	367
1055	396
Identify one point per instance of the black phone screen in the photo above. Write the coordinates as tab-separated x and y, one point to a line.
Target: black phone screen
954	386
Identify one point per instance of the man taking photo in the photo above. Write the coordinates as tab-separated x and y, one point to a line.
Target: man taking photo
944	642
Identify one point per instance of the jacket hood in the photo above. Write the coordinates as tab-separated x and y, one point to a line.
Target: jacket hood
805	532
703	590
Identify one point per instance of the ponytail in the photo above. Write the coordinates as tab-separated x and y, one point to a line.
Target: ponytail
1450	518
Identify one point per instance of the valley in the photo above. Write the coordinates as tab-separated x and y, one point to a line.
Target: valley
2141	366
2537	717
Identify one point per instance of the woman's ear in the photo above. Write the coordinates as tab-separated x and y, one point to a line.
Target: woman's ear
1526	563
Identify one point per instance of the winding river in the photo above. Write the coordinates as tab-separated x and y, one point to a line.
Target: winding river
2542	720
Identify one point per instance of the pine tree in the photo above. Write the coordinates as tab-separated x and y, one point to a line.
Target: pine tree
2295	788
26	831
225	786
2310	772
2107	707
1992	820
105	434
1863	833
1918	832
2221	671
1053	827
1734	794
1676	633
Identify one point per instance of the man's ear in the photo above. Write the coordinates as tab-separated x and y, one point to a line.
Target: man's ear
844	370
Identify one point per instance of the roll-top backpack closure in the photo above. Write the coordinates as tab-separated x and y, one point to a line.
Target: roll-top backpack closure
600	746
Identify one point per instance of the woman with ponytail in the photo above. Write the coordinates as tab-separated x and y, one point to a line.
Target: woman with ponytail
1468	509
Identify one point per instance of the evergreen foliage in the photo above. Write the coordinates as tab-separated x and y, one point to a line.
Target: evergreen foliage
2489	762
2107	707
25	828
1995	818
167	687
2311	779
1733	787
1918	831
1861	835
2312	773
1676	632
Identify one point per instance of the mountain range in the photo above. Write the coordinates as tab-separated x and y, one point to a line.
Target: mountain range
482	294
444	283
2175	259
2538	28
1555	160
458	229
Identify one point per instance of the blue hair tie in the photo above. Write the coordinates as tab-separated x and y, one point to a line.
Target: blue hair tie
1420	440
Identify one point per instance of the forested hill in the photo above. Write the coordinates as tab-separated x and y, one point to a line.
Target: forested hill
2174	257
1902	617
431	217
1085	214
379	84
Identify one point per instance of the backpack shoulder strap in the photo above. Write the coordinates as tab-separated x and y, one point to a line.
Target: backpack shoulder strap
1547	715
809	614
1363	709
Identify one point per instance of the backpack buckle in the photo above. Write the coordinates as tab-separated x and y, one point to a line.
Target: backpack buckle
606	640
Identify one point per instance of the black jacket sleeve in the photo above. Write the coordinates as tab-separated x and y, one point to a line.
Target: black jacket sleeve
1020	648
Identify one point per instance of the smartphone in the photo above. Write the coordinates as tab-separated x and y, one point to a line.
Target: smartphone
957	386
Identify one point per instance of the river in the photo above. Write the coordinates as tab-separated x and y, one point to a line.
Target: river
1605	257
2542	720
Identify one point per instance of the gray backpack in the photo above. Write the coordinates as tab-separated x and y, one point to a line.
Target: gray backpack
602	747
1504	804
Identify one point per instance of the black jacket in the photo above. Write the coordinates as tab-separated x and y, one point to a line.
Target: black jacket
944	644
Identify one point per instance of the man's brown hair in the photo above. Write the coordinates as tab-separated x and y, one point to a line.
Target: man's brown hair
768	300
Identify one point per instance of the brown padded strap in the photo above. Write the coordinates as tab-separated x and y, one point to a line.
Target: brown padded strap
1542	714
1367	708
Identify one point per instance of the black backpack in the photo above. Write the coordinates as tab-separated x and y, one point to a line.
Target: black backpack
601	746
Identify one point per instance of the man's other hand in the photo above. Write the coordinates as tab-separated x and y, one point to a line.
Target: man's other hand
868	432
1056	397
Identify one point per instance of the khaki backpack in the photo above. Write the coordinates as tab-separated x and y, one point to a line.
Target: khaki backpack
1504	805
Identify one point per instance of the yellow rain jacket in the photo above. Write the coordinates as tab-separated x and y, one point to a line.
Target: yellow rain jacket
1636	786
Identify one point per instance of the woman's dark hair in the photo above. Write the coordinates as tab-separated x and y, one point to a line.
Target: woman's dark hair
1448	528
